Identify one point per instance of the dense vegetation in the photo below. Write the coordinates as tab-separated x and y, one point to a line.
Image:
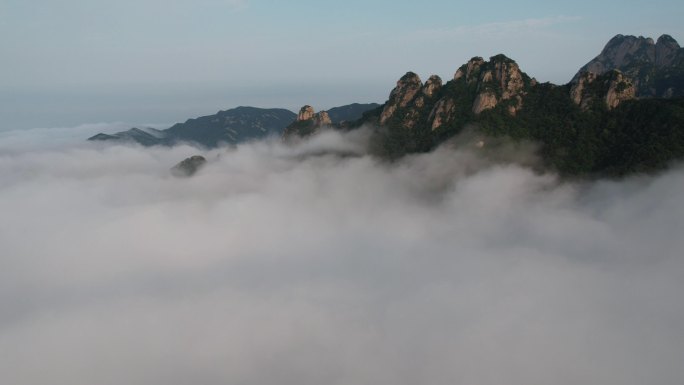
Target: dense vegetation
637	136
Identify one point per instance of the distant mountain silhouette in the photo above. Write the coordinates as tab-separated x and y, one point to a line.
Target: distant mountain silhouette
225	127
232	126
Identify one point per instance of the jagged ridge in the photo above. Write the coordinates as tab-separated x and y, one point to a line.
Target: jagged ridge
586	126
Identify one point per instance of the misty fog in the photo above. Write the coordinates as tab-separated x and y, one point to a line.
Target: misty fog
313	263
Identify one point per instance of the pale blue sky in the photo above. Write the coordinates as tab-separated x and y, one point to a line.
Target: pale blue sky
280	53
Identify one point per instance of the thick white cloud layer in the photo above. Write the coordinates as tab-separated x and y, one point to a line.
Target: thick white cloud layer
289	265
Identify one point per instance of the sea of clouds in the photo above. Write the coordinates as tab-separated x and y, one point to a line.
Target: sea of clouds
312	263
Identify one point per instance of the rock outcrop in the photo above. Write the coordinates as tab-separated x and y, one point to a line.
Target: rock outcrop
470	71
498	80
407	87
432	86
656	69
612	88
579	91
620	88
322	119
305	113
442	112
189	166
484	100
308	123
410	99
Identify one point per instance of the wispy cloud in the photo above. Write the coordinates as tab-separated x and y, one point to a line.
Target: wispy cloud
511	27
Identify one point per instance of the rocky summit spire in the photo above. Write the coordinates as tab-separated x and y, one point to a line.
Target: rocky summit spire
407	87
305	113
432	86
308	122
470	70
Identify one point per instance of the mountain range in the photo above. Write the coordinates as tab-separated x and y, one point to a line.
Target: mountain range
623	112
232	126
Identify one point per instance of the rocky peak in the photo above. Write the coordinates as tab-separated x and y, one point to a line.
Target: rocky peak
411	100
612	87
322	119
644	61
308	122
666	50
432	85
508	76
667	39
305	113
499	79
471	70
407	87
620	52
489	82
